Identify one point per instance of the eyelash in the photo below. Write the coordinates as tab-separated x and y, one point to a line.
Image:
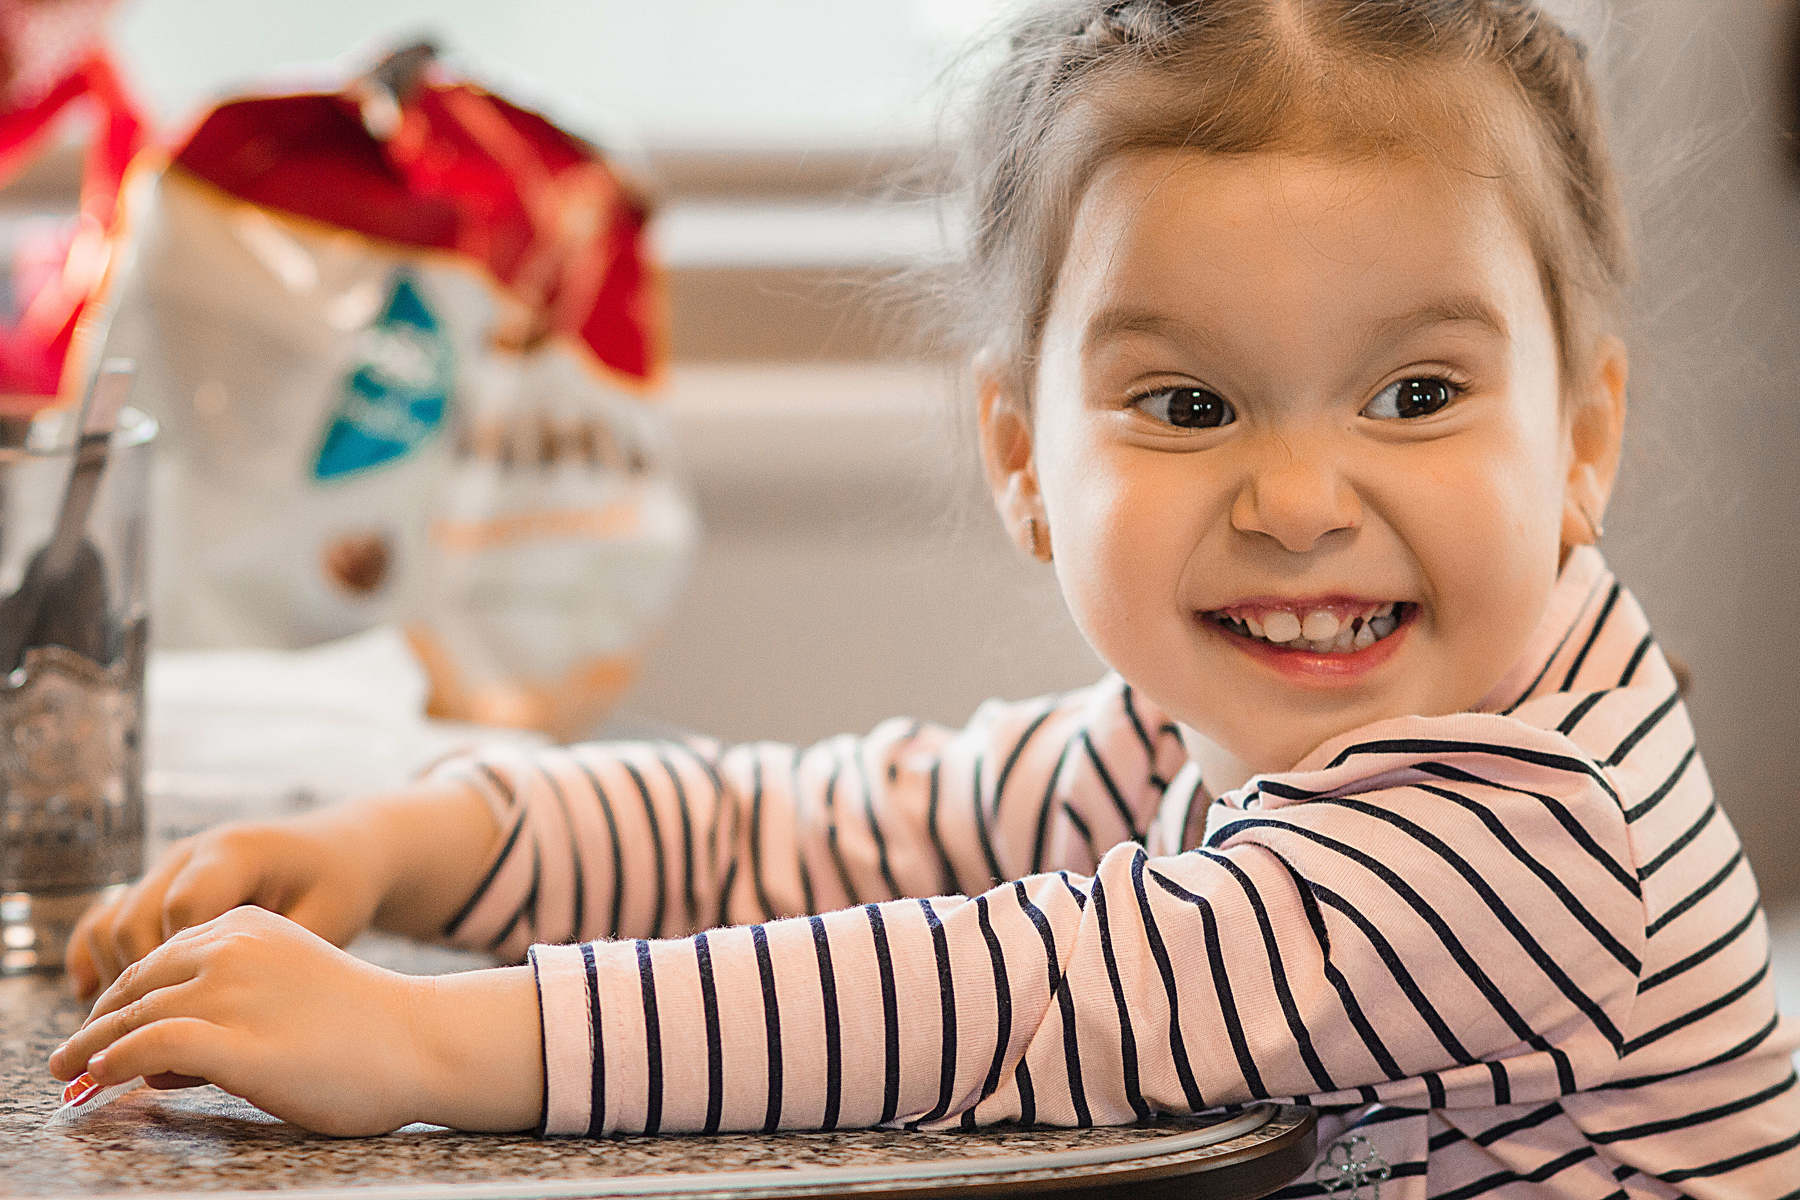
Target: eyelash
1455	387
1136	401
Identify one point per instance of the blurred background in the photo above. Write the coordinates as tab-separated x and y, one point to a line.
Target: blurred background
847	567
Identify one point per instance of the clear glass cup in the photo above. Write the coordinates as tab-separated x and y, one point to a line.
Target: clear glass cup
72	822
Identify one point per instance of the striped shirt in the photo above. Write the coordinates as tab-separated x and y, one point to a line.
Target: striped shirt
1517	950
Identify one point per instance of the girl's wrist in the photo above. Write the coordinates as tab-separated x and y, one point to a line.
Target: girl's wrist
480	1050
428	845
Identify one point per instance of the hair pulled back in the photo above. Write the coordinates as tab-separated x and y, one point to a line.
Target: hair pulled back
1493	87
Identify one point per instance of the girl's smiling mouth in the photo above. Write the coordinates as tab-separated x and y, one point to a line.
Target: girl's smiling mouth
1319	640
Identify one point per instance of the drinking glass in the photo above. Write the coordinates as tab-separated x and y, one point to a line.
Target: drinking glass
72	707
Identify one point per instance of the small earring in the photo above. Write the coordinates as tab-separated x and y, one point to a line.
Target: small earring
1596	530
1040	543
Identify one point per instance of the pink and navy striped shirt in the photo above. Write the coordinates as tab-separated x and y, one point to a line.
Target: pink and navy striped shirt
1518	950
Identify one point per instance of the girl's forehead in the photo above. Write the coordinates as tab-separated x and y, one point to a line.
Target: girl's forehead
1181	226
1275	196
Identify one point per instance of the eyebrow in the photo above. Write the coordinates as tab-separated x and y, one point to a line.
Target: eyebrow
1470	309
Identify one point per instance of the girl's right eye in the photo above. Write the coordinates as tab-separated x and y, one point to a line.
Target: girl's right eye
1185	407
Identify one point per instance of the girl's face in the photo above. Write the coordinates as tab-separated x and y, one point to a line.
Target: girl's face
1299	441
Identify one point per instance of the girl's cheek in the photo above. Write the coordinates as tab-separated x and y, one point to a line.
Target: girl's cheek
1127	534
1120	575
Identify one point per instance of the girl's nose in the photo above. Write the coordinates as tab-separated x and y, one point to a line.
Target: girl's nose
1295	496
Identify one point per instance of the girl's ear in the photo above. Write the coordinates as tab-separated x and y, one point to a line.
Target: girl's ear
1006	449
1596	434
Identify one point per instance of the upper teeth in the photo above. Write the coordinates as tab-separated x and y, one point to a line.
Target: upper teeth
1285	626
1319	630
1319	627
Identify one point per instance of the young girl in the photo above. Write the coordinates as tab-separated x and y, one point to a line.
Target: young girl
1298	363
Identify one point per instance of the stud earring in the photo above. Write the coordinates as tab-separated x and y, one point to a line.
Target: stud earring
1596	530
1040	541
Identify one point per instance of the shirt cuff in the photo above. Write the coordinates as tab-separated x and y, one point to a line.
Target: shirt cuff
623	1054
573	1084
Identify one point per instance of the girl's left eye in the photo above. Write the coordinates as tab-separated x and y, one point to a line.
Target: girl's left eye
1185	407
1408	398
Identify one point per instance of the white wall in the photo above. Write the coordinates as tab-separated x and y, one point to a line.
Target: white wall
704	72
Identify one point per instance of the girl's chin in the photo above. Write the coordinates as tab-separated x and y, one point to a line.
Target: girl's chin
1268	728
1260	739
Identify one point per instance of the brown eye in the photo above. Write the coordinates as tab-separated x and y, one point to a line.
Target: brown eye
1186	407
1416	397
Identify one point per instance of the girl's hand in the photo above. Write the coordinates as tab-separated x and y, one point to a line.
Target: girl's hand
315	1036
320	870
268	1011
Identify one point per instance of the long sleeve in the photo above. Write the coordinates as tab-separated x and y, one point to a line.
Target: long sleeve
648	839
1289	955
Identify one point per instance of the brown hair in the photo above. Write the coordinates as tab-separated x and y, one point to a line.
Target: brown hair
1494	87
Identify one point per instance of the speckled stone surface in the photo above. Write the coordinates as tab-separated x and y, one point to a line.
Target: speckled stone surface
203	1140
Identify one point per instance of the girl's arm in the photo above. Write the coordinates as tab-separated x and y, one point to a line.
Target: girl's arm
403	860
657	839
436	840
505	849
1447	915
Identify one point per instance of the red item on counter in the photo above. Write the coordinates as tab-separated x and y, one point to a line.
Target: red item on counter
81	1089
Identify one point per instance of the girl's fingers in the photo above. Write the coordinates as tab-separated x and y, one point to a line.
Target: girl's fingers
78	961
112	935
203	889
135	930
88	958
155	989
100	952
184	1046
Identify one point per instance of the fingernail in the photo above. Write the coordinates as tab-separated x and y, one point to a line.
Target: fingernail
97	1066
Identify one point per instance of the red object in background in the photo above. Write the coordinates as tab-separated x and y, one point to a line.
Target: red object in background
447	165
39	39
52	71
54	280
